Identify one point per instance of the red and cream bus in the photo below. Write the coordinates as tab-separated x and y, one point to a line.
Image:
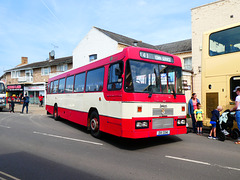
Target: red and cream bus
136	93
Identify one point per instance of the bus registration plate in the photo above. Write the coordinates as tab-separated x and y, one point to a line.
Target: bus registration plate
162	133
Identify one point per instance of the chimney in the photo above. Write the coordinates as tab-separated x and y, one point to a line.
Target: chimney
51	55
24	61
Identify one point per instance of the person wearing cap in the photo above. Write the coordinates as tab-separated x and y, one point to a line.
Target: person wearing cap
237	108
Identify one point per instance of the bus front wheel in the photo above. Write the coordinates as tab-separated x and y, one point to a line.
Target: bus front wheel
95	125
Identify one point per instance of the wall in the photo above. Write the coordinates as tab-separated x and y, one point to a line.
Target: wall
205	18
186	75
95	42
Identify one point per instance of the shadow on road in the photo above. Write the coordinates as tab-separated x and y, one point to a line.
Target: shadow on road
125	143
135	144
23	165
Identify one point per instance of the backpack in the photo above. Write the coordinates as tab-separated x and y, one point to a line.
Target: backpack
27	99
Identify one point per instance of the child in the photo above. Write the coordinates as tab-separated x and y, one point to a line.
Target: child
215	117
198	113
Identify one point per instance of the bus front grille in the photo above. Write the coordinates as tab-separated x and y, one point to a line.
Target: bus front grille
162	123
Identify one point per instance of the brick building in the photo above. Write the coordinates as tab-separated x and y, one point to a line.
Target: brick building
32	78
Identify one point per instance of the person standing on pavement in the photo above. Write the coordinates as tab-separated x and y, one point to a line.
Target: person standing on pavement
237	108
41	100
213	122
198	113
12	104
192	105
25	103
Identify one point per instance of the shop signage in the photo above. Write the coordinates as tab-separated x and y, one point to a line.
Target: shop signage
34	88
14	87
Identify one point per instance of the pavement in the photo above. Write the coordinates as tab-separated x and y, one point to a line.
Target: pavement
32	109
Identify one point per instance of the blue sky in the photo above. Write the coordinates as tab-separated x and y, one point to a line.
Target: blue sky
32	28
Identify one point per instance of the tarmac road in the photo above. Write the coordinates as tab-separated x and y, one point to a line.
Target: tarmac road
35	146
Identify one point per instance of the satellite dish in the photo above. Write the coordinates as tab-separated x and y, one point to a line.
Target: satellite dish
52	53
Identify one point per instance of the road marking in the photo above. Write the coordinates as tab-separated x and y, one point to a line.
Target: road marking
200	162
5	126
8	175
67	138
188	160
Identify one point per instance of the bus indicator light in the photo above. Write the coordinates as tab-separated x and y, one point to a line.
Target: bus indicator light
183	108
139	109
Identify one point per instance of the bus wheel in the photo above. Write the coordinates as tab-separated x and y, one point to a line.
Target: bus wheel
1	109
95	125
55	114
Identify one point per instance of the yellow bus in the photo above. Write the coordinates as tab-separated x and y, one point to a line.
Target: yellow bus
220	68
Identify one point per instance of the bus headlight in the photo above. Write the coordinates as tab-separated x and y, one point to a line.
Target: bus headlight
141	124
181	122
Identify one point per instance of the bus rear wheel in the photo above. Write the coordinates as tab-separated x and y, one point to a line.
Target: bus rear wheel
95	125
55	114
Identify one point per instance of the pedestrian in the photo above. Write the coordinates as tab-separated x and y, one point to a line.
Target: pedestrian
237	108
215	117
12	104
192	105
25	103
198	113
41	100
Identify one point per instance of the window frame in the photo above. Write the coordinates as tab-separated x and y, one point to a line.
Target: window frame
111	65
66	84
43	71
63	85
86	84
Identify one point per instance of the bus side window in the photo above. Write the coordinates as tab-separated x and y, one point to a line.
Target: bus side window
55	87
115	76
61	85
95	80
69	84
51	88
79	82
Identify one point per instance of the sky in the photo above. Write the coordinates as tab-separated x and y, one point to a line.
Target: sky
33	28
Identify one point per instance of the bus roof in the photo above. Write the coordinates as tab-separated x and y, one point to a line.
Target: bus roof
128	53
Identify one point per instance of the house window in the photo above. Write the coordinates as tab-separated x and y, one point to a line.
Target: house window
15	74
62	68
188	63
92	57
45	71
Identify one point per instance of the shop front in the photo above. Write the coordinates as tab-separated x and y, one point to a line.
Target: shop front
16	91
34	91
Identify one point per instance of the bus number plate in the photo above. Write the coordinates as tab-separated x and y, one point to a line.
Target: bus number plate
162	133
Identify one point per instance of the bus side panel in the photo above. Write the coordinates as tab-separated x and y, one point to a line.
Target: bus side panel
111	125
49	109
74	116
